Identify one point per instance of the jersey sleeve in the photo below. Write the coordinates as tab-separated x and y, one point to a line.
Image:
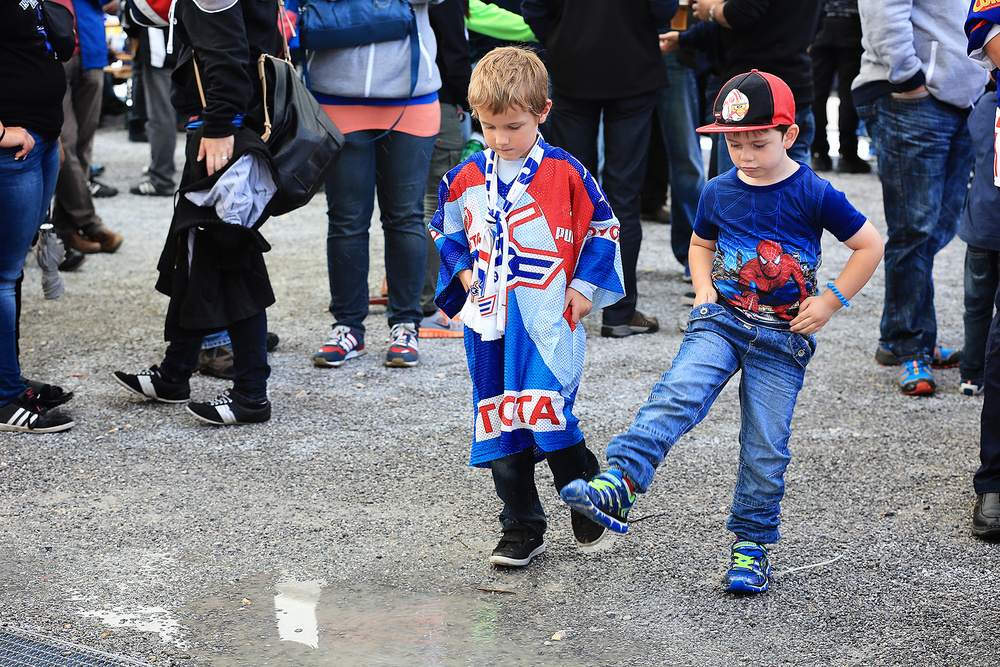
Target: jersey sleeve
447	229
838	216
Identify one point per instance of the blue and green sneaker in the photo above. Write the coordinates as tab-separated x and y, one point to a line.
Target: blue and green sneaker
750	569
606	499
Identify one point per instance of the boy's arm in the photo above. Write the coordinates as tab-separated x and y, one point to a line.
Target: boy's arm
816	311
701	256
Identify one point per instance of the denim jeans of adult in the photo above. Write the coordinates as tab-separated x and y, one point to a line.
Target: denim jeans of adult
249	342
800	150
446	154
987	478
924	153
716	345
982	277
677	107
514	480
73	209
26	188
627	124
395	168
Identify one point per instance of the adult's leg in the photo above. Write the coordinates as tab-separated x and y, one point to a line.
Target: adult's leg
807	131
982	277
401	165
249	343
350	197
913	142
824	66
848	66
773	369
26	187
626	144
677	108
161	128
987	478
446	154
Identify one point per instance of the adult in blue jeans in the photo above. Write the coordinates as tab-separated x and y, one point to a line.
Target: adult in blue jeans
677	109
605	66
914	93
385	101
30	121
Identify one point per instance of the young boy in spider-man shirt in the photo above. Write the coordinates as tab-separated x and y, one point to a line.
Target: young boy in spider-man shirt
754	256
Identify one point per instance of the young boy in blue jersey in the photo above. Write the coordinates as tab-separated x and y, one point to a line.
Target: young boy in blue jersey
528	246
754	256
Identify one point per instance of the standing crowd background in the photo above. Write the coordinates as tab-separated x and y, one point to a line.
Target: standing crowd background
903	79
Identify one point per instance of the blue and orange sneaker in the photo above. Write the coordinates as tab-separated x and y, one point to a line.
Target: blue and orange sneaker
916	379
942	357
606	499
750	569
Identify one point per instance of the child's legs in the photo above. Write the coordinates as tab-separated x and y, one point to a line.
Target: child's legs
514	480
707	359
773	369
574	462
982	275
249	343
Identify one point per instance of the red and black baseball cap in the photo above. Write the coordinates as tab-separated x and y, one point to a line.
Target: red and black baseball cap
752	101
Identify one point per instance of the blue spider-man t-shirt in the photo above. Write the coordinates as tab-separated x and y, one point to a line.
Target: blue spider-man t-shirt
768	240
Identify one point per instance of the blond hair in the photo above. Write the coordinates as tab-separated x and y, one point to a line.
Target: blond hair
509	77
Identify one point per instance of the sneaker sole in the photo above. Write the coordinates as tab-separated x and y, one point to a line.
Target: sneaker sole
575	495
144	395
517	562
922	388
741	587
225	423
986	532
397	362
592	543
25	429
326	363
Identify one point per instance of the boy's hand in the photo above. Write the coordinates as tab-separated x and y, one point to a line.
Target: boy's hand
465	277
814	313
576	305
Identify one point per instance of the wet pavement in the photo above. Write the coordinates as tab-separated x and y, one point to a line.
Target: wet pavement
349	531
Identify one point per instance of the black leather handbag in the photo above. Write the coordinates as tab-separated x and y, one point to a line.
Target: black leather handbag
302	139
60	30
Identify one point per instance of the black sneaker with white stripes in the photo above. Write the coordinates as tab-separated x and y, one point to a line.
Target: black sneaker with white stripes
231	408
152	384
25	415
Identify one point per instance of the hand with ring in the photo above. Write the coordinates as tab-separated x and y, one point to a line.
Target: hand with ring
215	152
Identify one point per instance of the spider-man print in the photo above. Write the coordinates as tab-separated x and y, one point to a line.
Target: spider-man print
761	277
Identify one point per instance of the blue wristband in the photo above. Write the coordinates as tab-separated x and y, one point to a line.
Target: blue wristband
833	288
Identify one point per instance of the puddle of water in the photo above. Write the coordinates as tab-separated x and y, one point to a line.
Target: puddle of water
311	624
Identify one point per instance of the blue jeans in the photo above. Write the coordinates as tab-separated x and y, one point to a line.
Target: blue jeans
677	106
514	481
26	189
982	277
924	153
716	345
249	342
394	167
800	150
627	123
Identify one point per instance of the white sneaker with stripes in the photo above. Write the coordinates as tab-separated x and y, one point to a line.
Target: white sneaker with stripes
229	408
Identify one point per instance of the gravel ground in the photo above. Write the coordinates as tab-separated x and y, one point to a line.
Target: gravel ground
349	530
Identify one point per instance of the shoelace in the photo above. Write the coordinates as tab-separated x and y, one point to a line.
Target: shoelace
401	337
745	562
222	399
343	339
609	491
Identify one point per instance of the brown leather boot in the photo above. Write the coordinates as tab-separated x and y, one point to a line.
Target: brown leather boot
108	240
80	244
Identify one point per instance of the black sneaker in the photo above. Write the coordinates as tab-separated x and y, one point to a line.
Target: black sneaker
72	260
47	396
587	533
272	341
986	516
639	324
25	415
229	408
98	189
518	546
153	385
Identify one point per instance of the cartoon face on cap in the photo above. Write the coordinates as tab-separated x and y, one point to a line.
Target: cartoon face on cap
735	107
